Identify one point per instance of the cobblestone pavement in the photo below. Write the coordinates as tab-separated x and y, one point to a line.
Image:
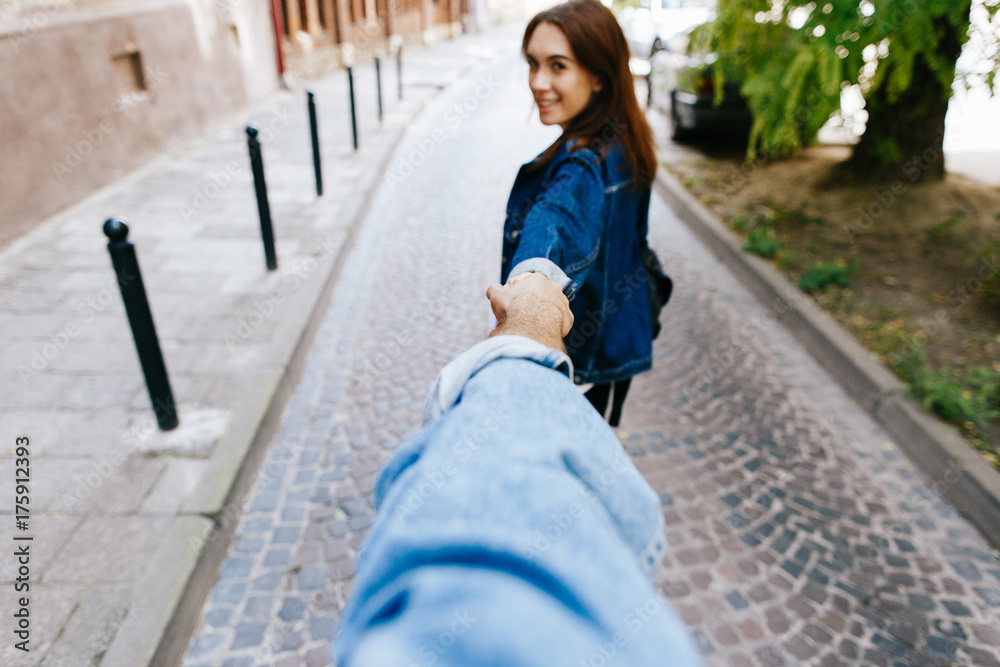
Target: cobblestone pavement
798	534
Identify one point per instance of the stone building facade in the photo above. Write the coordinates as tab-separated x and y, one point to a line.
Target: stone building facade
93	89
317	35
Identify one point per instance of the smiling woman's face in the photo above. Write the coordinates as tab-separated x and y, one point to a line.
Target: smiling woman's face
562	88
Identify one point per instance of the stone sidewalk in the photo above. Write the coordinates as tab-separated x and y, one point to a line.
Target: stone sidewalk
799	533
128	524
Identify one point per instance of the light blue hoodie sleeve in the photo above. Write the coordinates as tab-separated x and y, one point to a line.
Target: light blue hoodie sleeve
512	530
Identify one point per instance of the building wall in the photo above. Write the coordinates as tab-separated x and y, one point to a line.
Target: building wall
321	35
485	13
92	90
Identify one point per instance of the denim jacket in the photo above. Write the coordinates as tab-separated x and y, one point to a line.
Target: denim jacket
581	224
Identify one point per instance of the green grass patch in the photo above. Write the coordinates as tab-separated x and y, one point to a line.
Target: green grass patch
942	232
745	222
820	275
988	270
969	398
754	216
788	219
760	242
789	260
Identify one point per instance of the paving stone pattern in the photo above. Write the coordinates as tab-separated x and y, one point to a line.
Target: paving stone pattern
798	533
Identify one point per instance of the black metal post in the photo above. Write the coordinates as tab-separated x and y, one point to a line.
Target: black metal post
315	141
257	166
126	265
399	69
378	84
354	118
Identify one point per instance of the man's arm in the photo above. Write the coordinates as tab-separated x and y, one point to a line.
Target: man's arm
513	529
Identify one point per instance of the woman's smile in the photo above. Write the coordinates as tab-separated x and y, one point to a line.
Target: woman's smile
546	105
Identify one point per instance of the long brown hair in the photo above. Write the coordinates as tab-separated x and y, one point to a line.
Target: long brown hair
613	113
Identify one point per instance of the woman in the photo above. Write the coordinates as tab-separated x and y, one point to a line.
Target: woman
578	212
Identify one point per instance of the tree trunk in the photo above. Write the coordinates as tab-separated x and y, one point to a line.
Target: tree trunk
904	137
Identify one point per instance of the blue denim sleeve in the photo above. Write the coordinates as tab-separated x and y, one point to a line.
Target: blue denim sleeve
513	530
564	225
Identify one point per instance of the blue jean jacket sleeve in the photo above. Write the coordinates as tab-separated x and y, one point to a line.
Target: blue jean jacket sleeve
513	530
564	225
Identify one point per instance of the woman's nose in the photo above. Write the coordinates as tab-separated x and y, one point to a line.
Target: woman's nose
538	81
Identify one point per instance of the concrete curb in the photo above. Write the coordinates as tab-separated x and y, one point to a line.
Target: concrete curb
184	569
955	469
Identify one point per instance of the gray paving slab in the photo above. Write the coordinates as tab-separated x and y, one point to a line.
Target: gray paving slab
93	626
51	608
177	481
799	532
107	549
58	529
57	433
114	485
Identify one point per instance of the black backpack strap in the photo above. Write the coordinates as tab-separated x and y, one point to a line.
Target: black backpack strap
660	285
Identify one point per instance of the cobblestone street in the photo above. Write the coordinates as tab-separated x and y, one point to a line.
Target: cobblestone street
798	534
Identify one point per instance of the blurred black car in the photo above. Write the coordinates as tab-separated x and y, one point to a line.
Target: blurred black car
682	84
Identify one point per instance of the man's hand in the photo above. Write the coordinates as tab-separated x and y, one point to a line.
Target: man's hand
531	305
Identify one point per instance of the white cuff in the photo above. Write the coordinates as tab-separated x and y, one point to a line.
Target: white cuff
547	268
451	380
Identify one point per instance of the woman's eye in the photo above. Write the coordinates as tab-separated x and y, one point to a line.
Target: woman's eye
558	66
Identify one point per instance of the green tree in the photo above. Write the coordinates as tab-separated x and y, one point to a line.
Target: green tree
794	59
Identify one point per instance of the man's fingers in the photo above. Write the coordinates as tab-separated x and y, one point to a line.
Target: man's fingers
519	277
568	319
495	293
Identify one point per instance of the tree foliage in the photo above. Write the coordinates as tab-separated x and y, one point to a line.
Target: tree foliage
793	59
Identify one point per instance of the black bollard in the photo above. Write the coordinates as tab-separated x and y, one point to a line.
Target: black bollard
354	119
126	266
399	69
257	166
315	141
378	84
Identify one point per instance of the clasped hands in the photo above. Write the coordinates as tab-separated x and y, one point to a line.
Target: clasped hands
531	305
